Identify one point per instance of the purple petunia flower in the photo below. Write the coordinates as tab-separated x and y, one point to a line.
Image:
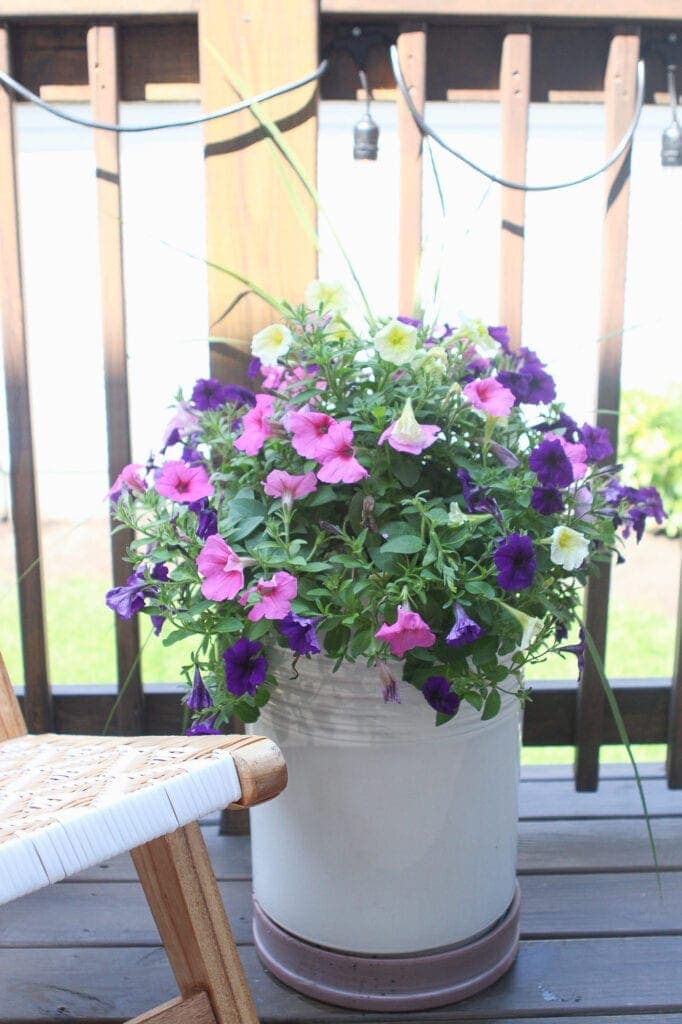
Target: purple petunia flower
245	667
546	500
198	697
253	368
300	633
128	599
437	693
209	393
475	498
551	464
465	629
158	622
530	385
501	336
515	562
563	422
205	728
597	442
503	455
630	506
560	631
579	651
208	518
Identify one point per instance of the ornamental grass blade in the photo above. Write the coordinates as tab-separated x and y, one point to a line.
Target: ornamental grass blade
126	682
288	154
625	740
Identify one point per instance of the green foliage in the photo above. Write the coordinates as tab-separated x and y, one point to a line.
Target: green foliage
651	447
396	533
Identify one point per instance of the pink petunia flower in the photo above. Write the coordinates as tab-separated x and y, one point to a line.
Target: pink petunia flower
337	455
181	482
488	395
576	454
222	569
408	631
279	484
131	478
407	435
275	597
257	427
309	430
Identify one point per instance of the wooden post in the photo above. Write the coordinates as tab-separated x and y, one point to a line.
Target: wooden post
38	702
103	78
183	895
515	71
674	759
619	99
412	56
252	226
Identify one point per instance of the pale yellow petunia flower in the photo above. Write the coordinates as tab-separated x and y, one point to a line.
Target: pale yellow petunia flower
396	342
569	548
330	295
271	343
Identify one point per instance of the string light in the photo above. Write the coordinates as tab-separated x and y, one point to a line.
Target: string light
671	140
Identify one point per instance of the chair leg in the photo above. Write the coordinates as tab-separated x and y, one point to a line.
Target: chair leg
178	880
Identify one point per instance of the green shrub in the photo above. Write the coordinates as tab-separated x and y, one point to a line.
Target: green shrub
651	447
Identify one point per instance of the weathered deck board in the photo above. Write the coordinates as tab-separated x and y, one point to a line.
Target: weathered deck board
598	943
554	978
552	906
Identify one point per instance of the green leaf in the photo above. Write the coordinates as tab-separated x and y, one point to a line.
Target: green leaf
492	705
480	588
245	712
441	719
244	527
239	508
259	629
403	544
407	471
322	496
261	696
176	636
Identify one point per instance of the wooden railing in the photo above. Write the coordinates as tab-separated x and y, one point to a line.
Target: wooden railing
502	50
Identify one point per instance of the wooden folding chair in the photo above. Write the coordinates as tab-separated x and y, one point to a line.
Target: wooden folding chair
70	802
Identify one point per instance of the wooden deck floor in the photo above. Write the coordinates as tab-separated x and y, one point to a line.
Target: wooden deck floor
599	943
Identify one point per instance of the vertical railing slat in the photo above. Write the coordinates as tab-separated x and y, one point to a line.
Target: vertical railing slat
619	100
412	55
38	704
252	227
674	759
515	72
104	91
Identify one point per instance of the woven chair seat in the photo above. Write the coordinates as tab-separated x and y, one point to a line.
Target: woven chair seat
69	802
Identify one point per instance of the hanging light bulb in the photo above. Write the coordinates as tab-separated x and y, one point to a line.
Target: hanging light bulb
671	140
366	131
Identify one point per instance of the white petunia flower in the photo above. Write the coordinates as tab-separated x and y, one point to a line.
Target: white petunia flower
569	548
330	295
271	343
396	342
530	626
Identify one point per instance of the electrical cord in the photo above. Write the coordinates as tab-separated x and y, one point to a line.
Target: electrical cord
21	90
624	143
